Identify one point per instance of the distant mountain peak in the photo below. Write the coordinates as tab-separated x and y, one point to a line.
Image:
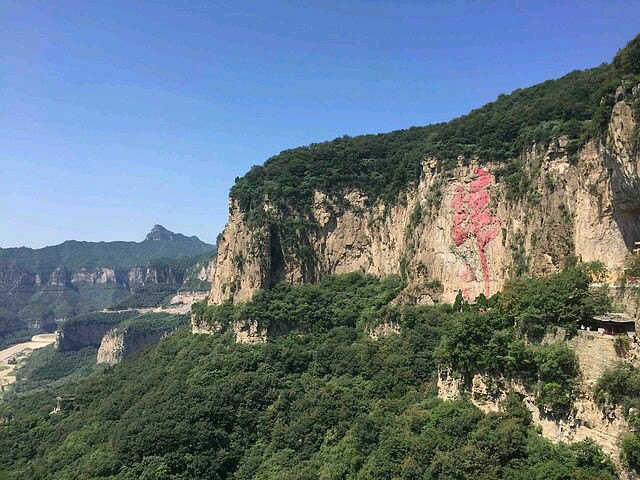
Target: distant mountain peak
159	233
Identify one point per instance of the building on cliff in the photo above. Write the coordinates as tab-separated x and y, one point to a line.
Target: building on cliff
615	324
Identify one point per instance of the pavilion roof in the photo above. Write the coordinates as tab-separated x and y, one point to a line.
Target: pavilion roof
615	318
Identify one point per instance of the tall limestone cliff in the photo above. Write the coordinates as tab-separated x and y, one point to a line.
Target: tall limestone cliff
467	224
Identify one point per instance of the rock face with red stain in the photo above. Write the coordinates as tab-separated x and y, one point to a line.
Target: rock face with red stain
458	225
473	220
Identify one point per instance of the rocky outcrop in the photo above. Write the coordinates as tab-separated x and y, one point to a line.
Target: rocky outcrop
80	336
595	353
246	331
467	228
383	330
119	344
587	420
88	330
182	302
117	334
97	276
626	298
242	262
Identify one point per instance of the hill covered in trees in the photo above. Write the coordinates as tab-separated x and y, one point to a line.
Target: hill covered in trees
320	400
74	255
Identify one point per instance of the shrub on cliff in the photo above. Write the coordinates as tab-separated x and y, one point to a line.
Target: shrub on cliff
632	266
494	341
619	385
340	300
627	60
630	444
563	299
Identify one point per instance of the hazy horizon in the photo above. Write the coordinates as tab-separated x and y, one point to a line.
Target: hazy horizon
137	240
120	116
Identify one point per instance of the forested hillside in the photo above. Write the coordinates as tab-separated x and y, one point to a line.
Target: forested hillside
321	399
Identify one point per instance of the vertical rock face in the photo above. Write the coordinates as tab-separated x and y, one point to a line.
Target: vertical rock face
464	227
88	330
242	263
130	336
595	353
117	345
80	336
97	276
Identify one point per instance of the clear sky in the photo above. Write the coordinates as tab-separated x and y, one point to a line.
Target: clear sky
116	115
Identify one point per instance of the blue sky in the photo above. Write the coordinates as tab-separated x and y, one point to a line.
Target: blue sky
118	115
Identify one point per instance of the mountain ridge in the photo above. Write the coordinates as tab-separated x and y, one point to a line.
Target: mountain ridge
40	287
194	246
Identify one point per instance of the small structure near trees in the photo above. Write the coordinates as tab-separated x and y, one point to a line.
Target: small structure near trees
63	404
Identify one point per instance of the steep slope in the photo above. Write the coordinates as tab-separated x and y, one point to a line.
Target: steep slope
39	287
136	333
525	184
320	400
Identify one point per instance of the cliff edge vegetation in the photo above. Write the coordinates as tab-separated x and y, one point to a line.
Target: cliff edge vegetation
521	186
381	166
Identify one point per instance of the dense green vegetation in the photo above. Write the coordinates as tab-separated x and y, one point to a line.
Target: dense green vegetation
326	406
495	341
18	336
94	318
489	337
620	386
344	300
149	323
319	400
48	368
577	105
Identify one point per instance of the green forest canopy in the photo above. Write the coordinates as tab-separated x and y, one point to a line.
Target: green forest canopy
322	401
381	166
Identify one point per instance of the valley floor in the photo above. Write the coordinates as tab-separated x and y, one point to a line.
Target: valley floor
6	369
